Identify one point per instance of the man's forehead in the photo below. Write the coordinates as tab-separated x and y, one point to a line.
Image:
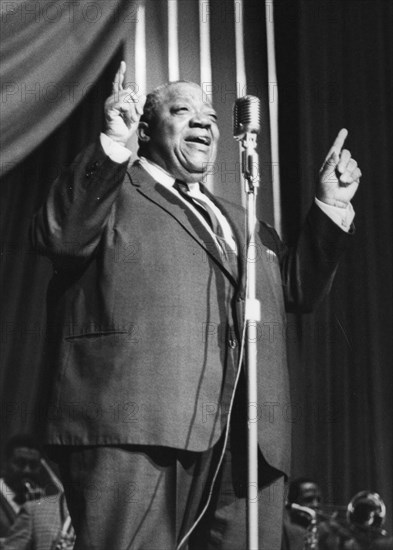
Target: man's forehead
190	91
26	452
309	487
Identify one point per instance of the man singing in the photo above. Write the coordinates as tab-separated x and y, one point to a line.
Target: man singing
148	416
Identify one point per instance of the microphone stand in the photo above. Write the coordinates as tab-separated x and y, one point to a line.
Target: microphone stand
250	168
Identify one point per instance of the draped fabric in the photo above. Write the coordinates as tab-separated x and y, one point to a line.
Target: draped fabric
51	56
334	63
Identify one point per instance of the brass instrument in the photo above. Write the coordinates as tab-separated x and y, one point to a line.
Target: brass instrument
366	510
352	527
366	515
311	535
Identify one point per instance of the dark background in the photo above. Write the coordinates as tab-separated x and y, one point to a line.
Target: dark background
334	62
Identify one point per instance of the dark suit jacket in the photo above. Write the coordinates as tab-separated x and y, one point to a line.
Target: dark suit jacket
144	313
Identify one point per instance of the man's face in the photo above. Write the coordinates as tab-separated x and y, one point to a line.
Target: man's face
183	137
24	464
309	495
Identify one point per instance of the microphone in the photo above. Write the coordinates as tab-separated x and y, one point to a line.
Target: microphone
246	116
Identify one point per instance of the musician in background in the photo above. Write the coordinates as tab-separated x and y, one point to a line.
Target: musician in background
305	526
306	492
20	481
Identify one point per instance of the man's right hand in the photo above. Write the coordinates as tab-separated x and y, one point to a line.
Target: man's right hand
123	109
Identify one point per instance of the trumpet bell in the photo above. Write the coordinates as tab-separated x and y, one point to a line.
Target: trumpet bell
366	510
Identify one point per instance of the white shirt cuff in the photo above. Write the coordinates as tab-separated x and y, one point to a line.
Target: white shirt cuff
116	152
343	217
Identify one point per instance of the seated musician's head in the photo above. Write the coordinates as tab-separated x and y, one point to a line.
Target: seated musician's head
305	492
23	465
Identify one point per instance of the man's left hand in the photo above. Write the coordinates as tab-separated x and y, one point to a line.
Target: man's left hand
339	175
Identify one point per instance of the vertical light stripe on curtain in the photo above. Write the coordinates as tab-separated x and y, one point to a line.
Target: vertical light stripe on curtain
204	41
241	77
273	114
205	64
173	41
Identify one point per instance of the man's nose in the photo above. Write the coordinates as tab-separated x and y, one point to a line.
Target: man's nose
200	120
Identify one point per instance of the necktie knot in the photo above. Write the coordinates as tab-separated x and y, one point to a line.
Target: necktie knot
181	186
207	209
184	190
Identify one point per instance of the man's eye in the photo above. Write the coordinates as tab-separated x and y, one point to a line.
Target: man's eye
180	109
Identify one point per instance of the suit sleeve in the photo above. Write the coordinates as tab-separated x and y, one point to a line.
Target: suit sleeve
71	221
308	268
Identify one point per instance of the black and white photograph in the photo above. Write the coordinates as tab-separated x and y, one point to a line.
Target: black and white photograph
196	275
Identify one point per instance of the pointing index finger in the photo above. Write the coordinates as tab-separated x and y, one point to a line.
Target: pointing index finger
339	141
117	85
337	145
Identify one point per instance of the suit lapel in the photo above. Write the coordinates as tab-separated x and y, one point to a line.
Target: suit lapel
175	207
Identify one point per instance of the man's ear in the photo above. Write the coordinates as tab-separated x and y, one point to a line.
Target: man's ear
143	132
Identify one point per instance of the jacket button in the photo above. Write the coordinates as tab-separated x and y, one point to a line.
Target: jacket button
232	342
91	169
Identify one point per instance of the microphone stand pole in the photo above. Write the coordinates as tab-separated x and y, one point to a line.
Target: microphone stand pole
250	167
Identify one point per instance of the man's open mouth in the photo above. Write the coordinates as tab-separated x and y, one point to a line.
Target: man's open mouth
203	140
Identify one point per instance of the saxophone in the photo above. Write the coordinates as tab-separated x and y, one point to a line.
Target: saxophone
311	535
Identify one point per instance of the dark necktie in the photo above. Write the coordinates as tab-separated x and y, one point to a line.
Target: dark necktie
183	190
201	204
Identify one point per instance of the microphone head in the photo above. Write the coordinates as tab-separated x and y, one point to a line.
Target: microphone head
246	116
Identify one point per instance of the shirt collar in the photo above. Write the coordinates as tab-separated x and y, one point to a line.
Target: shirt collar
162	176
156	172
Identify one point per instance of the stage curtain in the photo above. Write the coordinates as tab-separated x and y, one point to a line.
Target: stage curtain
335	70
51	56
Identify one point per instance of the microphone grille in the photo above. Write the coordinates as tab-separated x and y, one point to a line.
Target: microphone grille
246	116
